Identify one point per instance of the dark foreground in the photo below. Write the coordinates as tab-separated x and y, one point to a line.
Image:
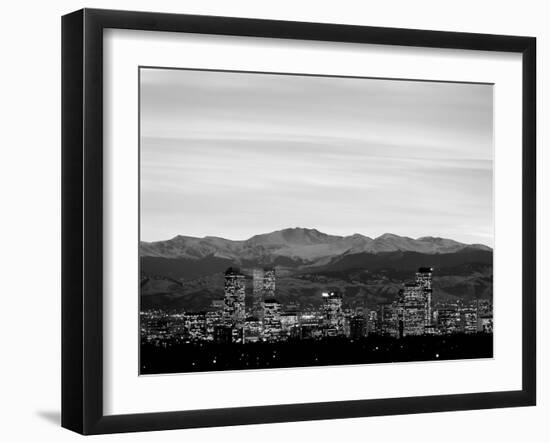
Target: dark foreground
198	357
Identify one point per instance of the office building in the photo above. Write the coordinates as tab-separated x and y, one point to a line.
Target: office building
269	283
448	319
333	316
257	291
271	323
411	310
468	318
424	281
234	298
387	320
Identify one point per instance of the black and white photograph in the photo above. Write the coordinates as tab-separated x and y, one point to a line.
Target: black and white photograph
280	221
292	220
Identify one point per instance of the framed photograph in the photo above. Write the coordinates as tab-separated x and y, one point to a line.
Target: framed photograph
269	221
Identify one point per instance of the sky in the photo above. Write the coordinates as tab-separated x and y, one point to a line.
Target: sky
234	154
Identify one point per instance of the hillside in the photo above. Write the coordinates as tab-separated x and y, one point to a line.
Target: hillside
187	273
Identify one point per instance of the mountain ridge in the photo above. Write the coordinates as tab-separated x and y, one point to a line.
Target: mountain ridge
188	272
303	244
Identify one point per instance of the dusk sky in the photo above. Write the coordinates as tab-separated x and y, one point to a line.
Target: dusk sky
238	154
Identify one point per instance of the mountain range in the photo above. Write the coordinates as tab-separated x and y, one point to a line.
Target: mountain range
187	272
297	244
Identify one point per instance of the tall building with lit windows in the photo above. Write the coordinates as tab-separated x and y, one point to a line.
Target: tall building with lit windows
269	283
414	305
257	291
448	319
263	288
411	310
468	318
271	324
333	316
387	323
234	297
372	322
424	281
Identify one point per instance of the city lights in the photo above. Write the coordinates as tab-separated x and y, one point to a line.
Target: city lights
267	319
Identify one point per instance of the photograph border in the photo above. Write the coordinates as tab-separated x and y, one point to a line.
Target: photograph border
82	220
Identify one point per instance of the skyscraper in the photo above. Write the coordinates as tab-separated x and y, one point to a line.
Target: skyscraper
234	298
263	288
424	281
372	322
448	318
387	319
333	317
411	310
414	305
468	318
257	291
269	283
272	319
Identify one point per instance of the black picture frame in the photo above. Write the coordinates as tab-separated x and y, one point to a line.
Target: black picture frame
82	220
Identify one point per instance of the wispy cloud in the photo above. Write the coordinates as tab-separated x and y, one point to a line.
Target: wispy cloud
233	154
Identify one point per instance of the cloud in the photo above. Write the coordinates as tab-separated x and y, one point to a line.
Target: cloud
233	155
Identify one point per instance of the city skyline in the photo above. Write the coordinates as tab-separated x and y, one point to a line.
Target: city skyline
235	334
233	154
410	313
